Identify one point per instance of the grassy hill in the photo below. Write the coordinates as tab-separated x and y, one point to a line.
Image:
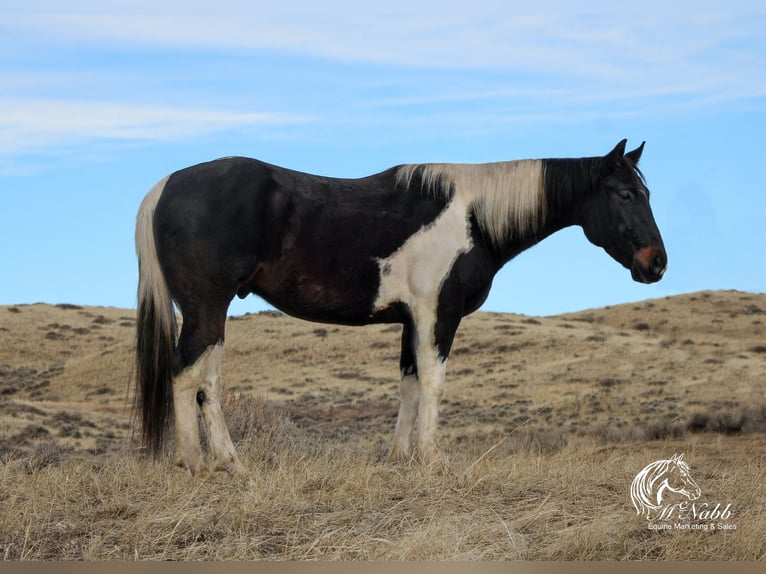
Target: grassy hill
545	422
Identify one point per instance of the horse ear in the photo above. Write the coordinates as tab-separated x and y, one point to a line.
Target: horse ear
635	155
618	151
613	158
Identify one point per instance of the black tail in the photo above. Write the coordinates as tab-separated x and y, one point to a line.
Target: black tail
156	333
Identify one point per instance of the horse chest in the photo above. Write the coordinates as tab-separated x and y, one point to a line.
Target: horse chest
416	270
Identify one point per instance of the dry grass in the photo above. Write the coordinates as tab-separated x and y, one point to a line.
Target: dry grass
546	422
317	500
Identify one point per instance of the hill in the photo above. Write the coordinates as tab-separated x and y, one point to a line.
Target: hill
618	386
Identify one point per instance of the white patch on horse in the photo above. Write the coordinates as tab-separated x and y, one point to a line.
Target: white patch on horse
414	273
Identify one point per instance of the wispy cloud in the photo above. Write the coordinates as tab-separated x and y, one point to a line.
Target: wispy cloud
486	56
28	124
620	47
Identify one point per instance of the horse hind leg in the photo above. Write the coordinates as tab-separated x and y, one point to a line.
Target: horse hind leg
223	455
197	389
188	447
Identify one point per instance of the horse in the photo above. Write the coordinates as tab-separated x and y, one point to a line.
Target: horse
416	244
649	487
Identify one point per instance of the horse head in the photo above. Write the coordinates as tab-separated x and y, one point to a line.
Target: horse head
616	216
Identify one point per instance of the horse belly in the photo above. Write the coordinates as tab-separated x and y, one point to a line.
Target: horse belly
343	296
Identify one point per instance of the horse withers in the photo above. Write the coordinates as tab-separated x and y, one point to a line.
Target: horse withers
415	244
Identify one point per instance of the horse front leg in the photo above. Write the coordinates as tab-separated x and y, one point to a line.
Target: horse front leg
409	396
432	371
401	447
432	348
418	411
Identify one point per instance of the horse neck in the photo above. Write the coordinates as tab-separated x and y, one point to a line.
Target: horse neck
567	182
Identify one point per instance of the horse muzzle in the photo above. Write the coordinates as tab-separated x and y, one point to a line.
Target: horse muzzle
649	264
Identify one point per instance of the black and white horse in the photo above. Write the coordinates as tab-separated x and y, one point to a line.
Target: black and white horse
415	244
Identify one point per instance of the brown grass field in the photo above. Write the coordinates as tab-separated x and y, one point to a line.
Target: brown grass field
545	422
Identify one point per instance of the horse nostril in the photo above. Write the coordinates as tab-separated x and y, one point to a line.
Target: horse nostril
659	263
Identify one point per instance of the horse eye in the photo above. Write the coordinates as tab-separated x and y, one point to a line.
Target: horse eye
625	195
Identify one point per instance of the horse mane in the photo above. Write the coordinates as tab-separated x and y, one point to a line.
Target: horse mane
506	198
567	179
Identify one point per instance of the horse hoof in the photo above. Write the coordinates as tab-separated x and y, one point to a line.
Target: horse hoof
431	458
233	466
398	456
195	467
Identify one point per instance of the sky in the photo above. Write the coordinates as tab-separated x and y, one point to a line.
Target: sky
99	100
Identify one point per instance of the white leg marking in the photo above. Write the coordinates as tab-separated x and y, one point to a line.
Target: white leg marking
203	376
409	391
430	384
431	373
188	449
222	452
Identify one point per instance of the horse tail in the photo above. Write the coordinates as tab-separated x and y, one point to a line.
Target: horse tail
156	332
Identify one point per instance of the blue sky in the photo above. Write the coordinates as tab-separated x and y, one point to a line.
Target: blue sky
99	100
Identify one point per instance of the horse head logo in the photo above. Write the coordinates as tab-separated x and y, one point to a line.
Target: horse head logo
659	479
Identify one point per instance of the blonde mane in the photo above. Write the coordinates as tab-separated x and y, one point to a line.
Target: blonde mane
507	198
